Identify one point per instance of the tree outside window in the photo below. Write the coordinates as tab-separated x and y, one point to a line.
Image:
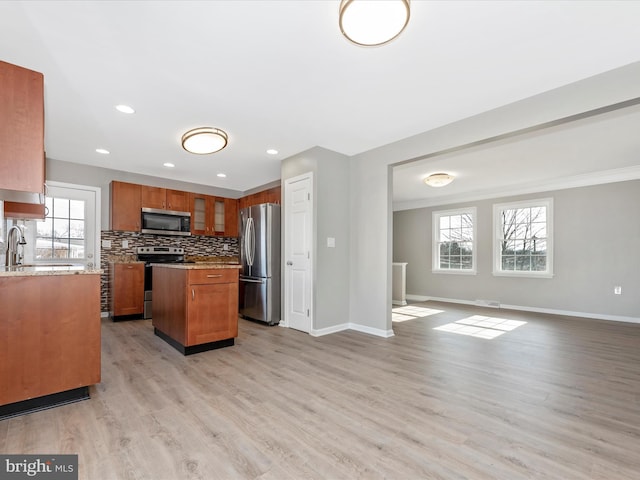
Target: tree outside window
62	233
523	238
454	236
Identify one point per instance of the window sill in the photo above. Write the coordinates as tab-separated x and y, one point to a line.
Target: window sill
523	274
455	272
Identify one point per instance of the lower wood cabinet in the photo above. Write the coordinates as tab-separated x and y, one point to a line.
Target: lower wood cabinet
49	335
195	306
127	289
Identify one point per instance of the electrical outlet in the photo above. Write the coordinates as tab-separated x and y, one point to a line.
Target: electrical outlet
125	243
617	290
225	246
106	243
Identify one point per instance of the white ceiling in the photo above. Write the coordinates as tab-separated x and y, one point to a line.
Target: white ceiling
278	74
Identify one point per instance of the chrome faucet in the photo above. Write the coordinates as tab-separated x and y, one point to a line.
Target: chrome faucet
13	240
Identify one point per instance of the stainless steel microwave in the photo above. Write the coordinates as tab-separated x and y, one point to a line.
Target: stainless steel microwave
165	222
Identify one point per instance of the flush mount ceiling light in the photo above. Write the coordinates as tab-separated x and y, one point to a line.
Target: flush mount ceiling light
204	140
373	22
439	179
125	109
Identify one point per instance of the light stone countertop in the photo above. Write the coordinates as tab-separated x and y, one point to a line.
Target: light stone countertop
42	270
197	266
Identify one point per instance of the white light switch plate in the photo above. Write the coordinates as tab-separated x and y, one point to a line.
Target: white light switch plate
125	243
106	243
331	242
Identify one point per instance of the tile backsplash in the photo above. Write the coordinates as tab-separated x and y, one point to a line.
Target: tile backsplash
195	245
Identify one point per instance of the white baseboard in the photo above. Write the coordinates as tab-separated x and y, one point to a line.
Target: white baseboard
105	314
417	298
568	313
326	331
398	302
351	326
378	332
551	311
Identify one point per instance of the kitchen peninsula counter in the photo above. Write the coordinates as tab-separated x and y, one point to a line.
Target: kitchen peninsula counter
50	336
46	270
195	305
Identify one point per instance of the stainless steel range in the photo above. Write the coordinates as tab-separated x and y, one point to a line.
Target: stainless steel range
151	255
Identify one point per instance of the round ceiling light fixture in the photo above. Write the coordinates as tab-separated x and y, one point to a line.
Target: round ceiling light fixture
125	109
204	140
373	22
439	179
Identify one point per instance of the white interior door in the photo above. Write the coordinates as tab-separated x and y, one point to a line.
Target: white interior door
298	285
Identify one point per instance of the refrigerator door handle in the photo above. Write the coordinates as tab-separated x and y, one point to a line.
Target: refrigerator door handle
251	242
247	241
248	280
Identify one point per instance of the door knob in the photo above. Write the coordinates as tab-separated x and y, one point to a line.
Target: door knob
289	262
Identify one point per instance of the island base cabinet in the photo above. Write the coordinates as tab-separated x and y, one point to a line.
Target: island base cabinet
211	315
49	335
195	310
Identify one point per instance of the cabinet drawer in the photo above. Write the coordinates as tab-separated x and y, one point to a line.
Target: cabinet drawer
214	275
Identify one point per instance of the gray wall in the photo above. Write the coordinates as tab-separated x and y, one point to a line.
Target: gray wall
75	173
331	219
371	217
596	246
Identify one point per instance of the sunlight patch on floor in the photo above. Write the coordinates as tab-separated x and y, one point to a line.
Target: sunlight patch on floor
481	326
409	312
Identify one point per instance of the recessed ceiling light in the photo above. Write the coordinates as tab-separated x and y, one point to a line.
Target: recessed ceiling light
222	175
102	151
272	151
125	109
168	165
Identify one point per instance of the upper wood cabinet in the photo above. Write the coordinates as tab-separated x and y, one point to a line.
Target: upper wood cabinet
21	129
177	200
165	199
200	206
126	204
213	215
271	195
210	215
230	217
23	211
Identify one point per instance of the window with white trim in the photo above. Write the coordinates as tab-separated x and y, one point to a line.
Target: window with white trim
454	241
523	242
61	235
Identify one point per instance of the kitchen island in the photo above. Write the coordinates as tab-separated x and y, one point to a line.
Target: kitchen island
195	305
49	336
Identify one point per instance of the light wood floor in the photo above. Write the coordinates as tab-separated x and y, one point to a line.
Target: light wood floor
557	398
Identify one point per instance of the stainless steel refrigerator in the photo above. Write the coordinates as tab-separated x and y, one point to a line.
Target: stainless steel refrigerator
260	259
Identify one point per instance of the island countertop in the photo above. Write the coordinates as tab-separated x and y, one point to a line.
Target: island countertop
197	265
42	270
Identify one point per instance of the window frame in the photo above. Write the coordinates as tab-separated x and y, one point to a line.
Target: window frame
435	241
498	208
49	215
